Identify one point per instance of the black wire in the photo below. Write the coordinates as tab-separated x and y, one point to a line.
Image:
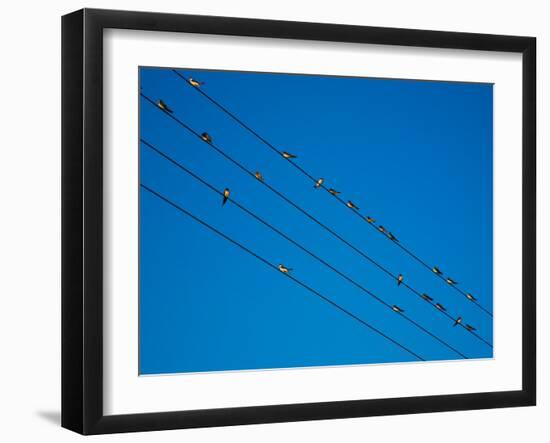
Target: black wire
295	243
263	260
312	178
307	214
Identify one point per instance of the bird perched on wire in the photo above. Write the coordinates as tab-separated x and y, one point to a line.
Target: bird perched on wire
284	269
382	229
392	237
334	191
226	193
318	183
440	307
451	281
206	137
164	106
427	297
457	321
400	279
436	270
470	297
288	155
470	328
351	205
397	309
370	219
259	176
195	83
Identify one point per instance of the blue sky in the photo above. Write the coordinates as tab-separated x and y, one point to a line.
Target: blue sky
415	155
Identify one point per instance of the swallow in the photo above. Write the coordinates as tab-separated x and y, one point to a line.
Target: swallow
370	219
164	106
440	307
470	297
351	205
226	193
195	83
436	270
470	328
458	321
451	281
288	155
397	308
334	191
206	137
284	269
392	237
400	279
318	183
382	229
259	176
426	297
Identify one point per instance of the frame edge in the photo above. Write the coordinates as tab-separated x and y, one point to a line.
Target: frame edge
72	252
529	220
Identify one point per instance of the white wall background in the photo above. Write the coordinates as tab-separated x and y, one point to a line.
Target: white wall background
30	218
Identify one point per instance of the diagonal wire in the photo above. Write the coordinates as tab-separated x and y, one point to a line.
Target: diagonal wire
297	207
295	243
313	179
272	266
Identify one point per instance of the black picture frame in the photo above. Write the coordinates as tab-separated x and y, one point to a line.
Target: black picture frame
82	220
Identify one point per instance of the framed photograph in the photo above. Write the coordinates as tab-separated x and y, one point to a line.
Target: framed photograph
269	221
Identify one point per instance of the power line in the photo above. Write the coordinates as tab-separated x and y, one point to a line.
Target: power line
295	243
272	266
297	207
314	180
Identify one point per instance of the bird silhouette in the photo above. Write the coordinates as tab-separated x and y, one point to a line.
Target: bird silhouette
288	155
226	193
206	137
451	281
426	297
370	219
318	183
284	269
333	191
436	270
195	83
470	297
164	106
400	279
392	237
397	308
457	321
382	229
440	307
351	205
259	176
470	328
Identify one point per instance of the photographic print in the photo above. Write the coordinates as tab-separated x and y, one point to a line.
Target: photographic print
293	221
272	221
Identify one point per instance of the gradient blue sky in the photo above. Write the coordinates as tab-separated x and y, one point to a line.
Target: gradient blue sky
415	155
